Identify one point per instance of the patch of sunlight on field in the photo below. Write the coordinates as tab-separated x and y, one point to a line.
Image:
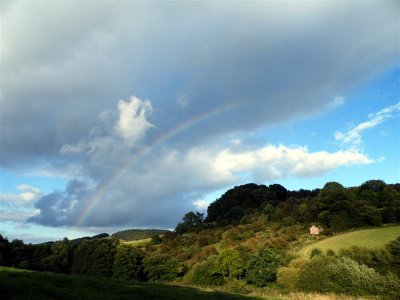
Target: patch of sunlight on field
137	243
303	296
370	238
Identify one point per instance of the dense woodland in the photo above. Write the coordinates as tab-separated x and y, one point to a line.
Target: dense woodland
247	240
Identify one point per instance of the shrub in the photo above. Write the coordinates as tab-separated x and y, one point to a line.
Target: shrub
262	268
377	259
287	277
237	286
315	252
161	267
330	252
232	264
394	251
128	263
343	275
206	273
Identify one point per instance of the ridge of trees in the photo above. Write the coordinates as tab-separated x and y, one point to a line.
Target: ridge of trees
335	207
138	234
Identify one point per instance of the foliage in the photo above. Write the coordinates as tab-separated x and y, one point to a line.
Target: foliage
191	222
343	275
315	252
138	234
128	263
95	257
394	250
287	277
5	252
262	268
232	263
378	259
161	267
207	273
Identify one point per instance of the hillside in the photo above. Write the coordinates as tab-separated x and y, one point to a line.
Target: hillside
248	244
368	238
138	234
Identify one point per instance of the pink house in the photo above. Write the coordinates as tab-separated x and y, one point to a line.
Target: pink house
316	230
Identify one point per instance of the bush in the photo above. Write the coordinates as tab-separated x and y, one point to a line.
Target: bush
394	251
262	268
232	263
206	273
344	276
315	252
377	259
287	277
330	252
161	268
237	286
128	263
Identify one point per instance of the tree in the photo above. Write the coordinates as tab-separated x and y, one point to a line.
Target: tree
128	263
60	260
262	268
335	208
95	257
232	264
191	221
161	267
5	252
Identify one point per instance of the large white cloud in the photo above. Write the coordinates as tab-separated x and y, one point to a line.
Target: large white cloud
132	123
155	186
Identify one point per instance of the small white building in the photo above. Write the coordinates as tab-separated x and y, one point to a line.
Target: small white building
316	230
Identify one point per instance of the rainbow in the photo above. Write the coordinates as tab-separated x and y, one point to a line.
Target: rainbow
93	201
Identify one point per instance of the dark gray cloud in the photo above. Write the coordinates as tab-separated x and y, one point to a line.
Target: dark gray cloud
66	65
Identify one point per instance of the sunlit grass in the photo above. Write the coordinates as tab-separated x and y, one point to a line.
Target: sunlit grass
370	238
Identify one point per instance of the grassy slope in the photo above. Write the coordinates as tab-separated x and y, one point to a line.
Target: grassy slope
137	243
371	238
17	284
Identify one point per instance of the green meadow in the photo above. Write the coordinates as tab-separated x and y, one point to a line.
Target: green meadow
21	284
369	238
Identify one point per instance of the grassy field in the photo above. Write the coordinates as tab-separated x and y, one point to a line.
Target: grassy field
17	284
370	238
137	243
24	284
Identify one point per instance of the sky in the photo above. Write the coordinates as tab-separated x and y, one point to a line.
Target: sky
117	115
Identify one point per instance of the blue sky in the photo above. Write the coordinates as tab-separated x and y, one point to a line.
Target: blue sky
136	113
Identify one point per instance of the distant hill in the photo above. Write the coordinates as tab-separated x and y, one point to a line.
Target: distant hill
81	239
370	238
138	234
95	237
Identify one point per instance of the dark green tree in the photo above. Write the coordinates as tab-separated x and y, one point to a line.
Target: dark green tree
262	268
5	252
128	263
161	267
191	221
95	257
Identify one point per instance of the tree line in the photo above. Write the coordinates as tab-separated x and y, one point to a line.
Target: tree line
334	207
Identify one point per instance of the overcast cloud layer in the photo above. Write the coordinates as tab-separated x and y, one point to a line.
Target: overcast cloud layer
90	89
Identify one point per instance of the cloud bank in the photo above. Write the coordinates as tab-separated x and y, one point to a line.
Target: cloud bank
167	181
